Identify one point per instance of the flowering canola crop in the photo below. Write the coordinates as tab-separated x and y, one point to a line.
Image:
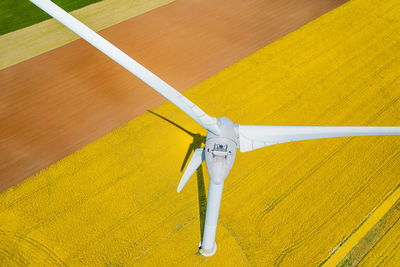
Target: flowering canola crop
114	202
386	251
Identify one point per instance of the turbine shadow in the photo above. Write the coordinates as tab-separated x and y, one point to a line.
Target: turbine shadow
198	141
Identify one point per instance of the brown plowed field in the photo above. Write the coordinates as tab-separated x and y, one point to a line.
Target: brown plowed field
56	103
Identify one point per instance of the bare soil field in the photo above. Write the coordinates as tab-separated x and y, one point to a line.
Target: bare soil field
55	103
51	34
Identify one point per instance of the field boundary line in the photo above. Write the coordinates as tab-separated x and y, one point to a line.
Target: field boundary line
50	34
372	219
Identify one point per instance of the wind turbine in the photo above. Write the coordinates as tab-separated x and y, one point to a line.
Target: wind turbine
223	137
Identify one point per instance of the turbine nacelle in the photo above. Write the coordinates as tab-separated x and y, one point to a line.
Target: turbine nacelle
220	150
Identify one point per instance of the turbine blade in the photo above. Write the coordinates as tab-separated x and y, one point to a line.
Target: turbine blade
256	136
210	123
197	158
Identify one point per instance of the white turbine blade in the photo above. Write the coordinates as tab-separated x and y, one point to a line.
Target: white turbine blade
256	136
210	123
197	158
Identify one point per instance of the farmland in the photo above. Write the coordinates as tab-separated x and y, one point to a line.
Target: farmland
379	245
17	15
114	202
386	252
50	34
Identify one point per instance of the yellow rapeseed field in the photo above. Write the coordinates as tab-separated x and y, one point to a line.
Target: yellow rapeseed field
114	202
359	243
379	246
386	252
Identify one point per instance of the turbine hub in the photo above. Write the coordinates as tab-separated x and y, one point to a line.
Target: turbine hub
220	150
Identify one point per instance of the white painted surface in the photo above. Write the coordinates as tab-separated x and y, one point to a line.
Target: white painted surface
194	163
256	136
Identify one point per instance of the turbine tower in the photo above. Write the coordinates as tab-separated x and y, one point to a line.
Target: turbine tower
223	137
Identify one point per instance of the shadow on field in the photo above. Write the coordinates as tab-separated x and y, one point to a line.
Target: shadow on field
198	141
